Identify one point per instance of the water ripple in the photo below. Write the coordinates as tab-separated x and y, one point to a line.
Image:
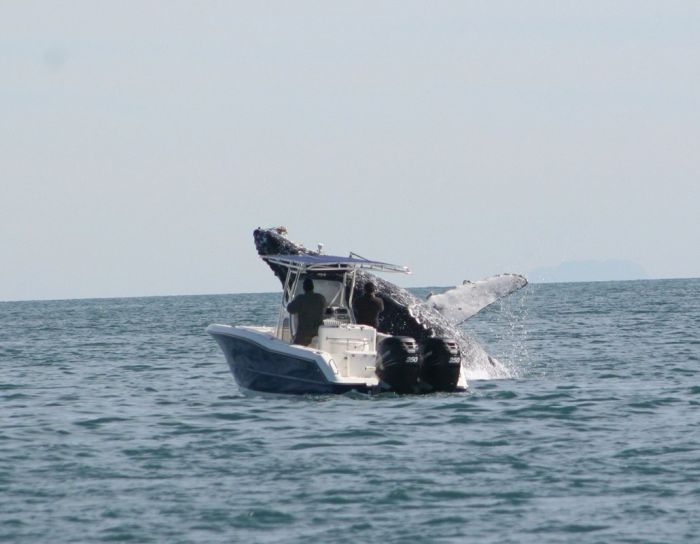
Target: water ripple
120	422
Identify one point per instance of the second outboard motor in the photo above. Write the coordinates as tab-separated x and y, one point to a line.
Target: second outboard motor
441	362
398	363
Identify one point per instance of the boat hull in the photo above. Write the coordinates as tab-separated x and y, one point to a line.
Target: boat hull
260	363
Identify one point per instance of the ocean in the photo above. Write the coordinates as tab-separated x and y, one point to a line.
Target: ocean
120	422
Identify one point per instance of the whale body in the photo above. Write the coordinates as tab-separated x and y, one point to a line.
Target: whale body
406	315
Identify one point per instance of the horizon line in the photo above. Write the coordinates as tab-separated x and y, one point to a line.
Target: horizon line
534	282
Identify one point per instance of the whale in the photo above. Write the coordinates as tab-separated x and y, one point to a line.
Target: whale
440	315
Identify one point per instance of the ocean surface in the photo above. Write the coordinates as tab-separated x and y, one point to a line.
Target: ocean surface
120	422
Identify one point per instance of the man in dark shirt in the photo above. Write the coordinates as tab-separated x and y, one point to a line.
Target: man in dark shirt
369	306
309	306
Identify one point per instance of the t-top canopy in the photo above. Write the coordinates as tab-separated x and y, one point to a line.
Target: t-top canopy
332	263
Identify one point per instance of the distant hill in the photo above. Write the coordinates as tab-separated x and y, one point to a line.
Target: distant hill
569	271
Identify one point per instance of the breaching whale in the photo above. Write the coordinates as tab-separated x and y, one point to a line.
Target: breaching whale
407	315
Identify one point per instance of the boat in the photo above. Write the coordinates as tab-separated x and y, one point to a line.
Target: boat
345	356
442	314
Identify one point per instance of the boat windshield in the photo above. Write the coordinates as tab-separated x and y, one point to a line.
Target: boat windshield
332	291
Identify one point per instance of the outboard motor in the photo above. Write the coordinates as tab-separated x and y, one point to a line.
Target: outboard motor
441	362
398	363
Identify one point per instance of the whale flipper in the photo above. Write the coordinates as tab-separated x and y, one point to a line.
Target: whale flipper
467	300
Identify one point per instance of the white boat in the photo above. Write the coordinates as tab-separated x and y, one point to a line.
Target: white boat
344	356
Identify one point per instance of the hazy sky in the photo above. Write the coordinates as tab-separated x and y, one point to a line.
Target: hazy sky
142	142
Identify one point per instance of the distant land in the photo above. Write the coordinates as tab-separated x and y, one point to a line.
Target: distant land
570	271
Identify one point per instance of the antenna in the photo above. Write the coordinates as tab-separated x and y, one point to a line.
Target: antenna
355	255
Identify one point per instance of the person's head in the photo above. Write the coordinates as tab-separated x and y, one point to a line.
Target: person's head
370	287
308	285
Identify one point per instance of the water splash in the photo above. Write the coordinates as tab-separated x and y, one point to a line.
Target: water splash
502	329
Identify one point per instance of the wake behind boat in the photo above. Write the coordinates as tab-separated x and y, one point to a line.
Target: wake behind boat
344	356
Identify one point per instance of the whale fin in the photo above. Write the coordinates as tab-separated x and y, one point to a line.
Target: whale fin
467	300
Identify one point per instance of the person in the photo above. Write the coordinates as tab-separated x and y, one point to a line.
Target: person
368	306
309	307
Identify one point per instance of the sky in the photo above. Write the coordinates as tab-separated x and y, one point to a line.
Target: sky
142	142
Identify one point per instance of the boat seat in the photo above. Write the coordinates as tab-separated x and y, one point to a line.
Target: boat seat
339	339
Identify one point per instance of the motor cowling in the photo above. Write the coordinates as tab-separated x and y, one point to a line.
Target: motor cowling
398	363
441	363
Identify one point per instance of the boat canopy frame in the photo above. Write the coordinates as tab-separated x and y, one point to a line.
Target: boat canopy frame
331	263
299	265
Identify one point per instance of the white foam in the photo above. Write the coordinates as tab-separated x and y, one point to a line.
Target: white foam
479	365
